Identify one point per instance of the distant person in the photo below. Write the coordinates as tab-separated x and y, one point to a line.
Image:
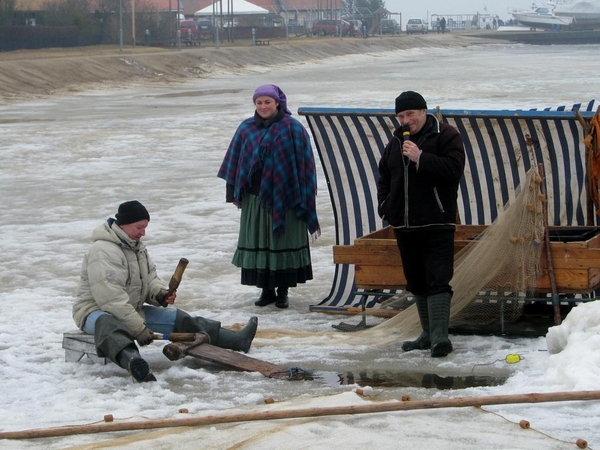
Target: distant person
417	192
121	298
147	37
438	25
270	173
189	37
443	24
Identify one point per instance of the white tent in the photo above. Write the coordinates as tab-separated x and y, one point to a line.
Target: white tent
234	7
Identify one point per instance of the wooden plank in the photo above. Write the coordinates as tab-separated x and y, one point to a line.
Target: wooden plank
579	255
374	256
468	232
382	233
569	281
380	277
238	361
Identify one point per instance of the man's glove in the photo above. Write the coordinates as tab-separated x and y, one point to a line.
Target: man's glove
145	337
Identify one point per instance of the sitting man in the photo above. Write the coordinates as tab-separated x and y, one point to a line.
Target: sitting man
117	279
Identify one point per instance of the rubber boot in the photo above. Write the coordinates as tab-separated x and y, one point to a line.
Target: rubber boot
184	323
423	342
282	301
267	297
439	319
130	359
239	341
112	340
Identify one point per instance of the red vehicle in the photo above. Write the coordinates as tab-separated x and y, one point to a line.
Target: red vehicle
189	30
334	28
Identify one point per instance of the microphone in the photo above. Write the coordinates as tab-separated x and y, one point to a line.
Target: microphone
406	132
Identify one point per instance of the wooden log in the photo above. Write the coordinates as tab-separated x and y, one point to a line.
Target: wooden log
353	311
175	337
369	408
549	261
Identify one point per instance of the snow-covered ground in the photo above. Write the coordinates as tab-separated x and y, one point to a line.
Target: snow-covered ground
67	162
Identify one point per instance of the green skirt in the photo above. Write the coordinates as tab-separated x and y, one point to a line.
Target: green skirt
266	261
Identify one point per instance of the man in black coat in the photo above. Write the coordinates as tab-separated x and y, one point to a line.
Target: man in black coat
417	192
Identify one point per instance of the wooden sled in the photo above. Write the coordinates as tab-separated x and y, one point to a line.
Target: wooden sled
197	345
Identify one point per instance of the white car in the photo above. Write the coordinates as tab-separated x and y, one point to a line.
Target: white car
416	26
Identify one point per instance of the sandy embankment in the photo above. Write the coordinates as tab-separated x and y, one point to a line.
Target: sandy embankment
38	73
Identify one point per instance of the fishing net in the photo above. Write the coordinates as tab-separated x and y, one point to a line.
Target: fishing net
493	273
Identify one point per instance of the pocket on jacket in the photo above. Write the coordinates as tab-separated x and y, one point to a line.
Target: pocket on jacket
438	200
381	207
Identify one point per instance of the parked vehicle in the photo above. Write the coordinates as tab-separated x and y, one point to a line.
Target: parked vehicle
333	27
189	30
416	26
390	26
187	24
358	24
206	29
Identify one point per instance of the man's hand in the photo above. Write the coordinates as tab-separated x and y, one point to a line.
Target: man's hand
165	300
145	337
411	151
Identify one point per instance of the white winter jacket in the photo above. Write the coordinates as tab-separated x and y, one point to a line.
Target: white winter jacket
117	276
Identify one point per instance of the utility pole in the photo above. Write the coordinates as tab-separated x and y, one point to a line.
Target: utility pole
120	25
133	23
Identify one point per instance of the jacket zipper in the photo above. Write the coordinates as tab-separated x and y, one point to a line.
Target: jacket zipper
406	222
437	199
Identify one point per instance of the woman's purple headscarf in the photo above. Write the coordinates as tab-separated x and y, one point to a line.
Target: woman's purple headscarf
270	90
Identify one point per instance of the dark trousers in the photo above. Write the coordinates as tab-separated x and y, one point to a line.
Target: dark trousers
428	260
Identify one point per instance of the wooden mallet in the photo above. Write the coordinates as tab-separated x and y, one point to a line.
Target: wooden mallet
176	279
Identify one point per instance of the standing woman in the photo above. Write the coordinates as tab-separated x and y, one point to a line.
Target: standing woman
270	172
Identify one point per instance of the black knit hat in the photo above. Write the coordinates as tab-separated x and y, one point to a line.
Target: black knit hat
130	212
410	100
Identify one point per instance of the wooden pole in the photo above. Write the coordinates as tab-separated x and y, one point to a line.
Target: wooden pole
369	408
549	263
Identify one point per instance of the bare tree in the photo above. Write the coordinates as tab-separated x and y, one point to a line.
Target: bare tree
7	10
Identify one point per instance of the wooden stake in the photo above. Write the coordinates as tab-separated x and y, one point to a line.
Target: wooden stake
550	264
369	408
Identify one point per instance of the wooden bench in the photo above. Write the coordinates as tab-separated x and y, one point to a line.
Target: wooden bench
79	346
261	42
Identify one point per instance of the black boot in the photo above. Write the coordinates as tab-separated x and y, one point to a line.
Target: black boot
439	319
112	340
282	298
423	342
239	341
130	359
266	297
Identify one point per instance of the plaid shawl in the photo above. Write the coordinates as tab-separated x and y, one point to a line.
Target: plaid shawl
289	178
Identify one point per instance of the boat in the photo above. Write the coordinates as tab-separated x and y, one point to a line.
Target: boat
542	17
585	15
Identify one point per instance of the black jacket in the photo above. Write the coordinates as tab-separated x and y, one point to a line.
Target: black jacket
409	198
